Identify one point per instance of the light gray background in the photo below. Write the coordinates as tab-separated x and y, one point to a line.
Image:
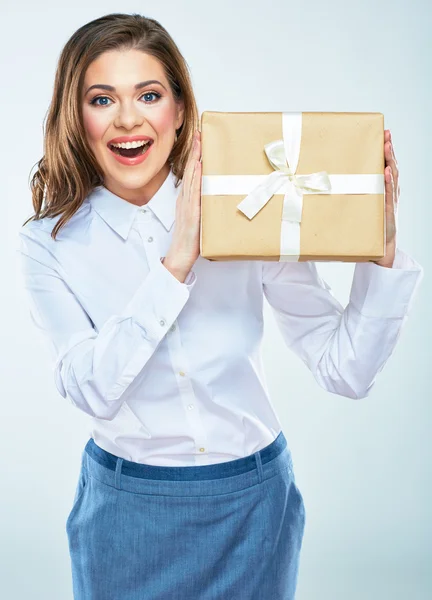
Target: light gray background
362	466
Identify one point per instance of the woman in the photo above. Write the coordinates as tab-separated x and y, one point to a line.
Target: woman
186	487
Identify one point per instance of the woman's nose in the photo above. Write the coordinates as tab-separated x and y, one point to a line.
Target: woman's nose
128	116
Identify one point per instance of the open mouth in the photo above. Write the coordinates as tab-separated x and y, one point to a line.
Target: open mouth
131	152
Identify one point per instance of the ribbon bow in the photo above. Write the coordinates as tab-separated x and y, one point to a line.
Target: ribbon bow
283	175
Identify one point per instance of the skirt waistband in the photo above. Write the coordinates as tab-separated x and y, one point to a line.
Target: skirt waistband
224	477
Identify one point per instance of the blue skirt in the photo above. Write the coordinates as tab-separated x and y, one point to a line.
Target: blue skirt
212	532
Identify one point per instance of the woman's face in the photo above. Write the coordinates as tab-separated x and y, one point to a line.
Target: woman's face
125	111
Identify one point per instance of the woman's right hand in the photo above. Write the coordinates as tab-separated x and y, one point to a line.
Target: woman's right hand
185	244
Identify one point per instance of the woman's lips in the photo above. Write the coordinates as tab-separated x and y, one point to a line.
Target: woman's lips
133	160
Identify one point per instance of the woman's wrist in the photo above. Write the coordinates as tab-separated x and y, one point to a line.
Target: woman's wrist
178	272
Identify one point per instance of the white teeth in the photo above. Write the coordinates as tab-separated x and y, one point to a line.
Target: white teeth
131	144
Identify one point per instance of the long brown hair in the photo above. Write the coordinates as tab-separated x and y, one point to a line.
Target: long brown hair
68	170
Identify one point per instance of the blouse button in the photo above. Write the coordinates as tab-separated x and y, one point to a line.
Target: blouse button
150	239
162	322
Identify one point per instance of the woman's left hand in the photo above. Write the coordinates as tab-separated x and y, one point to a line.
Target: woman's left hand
391	177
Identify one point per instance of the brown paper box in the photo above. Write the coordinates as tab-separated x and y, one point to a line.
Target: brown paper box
348	228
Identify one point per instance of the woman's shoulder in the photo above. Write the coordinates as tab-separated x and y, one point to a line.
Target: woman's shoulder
42	228
36	242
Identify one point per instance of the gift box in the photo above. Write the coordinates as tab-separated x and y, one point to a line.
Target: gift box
292	186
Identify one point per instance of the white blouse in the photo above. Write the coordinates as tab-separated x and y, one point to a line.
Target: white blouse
171	373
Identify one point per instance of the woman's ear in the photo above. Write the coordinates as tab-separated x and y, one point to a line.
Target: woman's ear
180	114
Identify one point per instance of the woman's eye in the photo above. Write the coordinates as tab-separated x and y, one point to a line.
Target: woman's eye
152	94
99	98
94	101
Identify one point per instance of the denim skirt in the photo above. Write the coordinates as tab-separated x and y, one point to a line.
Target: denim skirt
211	532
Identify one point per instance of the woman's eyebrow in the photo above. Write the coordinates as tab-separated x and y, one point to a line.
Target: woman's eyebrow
110	88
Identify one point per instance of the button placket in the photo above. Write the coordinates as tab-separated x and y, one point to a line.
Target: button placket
145	227
187	394
154	237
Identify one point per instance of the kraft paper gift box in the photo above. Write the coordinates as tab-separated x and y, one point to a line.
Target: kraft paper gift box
292	186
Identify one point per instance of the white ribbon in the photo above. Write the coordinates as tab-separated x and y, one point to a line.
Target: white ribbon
283	155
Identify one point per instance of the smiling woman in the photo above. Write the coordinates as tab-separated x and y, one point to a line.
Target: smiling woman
185	446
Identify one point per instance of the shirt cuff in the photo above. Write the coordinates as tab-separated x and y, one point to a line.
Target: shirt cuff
384	292
403	261
159	300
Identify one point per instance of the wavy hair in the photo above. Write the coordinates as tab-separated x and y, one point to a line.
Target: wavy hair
68	170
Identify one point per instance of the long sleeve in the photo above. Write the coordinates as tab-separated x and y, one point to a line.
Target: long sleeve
345	349
95	369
